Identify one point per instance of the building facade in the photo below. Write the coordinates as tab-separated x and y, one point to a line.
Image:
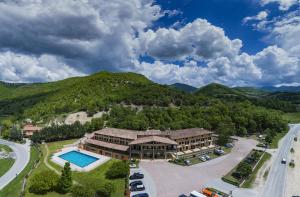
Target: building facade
29	129
151	144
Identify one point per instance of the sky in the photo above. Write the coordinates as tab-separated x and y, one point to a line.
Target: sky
196	42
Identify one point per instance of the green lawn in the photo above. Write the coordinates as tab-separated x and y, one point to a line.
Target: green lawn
277	138
80	177
5	165
293	117
5	148
14	187
248	183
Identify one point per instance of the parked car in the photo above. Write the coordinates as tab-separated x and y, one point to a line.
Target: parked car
218	151
134	183
182	195
283	161
133	165
136	175
229	145
137	188
141	195
207	157
187	162
202	158
196	194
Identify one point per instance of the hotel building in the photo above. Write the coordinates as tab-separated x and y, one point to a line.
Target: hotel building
151	144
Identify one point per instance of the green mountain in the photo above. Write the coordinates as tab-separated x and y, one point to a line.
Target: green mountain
101	91
219	91
91	93
184	87
294	89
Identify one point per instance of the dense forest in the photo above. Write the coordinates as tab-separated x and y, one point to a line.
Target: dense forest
135	102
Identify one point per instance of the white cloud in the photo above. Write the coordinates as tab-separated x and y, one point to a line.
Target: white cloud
24	68
46	40
198	39
259	17
283	4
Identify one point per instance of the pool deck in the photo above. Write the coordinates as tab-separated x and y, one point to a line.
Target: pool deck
101	159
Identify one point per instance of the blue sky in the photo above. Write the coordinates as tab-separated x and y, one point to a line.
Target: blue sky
227	14
197	42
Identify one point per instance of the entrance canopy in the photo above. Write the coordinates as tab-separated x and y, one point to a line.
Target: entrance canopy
144	140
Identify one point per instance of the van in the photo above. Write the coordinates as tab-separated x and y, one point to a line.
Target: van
196	194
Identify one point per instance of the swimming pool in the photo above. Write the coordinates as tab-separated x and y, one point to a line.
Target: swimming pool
79	159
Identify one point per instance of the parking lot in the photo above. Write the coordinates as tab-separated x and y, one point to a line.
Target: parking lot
171	180
147	182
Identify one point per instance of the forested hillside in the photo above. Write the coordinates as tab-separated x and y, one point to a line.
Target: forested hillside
138	103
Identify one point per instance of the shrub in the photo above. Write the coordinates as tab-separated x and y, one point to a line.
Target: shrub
82	191
106	190
43	182
119	169
244	169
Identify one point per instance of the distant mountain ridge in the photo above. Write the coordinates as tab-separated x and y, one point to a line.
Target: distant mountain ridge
184	87
281	88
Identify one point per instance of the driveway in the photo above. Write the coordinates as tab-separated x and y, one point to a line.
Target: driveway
171	180
22	152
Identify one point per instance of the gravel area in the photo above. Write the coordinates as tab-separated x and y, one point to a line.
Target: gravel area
171	180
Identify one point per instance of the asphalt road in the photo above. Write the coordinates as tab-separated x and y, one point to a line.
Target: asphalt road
22	152
276	181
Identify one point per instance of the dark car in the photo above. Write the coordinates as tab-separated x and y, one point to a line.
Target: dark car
134	183
182	195
136	175
137	188
141	195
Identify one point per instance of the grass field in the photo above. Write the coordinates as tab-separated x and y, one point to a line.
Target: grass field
5	165
248	183
14	187
5	148
293	117
277	138
80	177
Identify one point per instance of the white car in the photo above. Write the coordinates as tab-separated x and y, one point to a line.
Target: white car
283	161
202	158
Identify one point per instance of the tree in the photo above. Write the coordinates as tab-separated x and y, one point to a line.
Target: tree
15	134
43	182
65	182
117	170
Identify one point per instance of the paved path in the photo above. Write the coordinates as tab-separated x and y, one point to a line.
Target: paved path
22	152
46	161
276	181
172	180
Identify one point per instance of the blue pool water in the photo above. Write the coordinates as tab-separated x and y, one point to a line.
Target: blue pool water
78	158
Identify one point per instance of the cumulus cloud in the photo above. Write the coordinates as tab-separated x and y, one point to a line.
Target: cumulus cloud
19	67
46	40
259	17
283	4
89	35
198	39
